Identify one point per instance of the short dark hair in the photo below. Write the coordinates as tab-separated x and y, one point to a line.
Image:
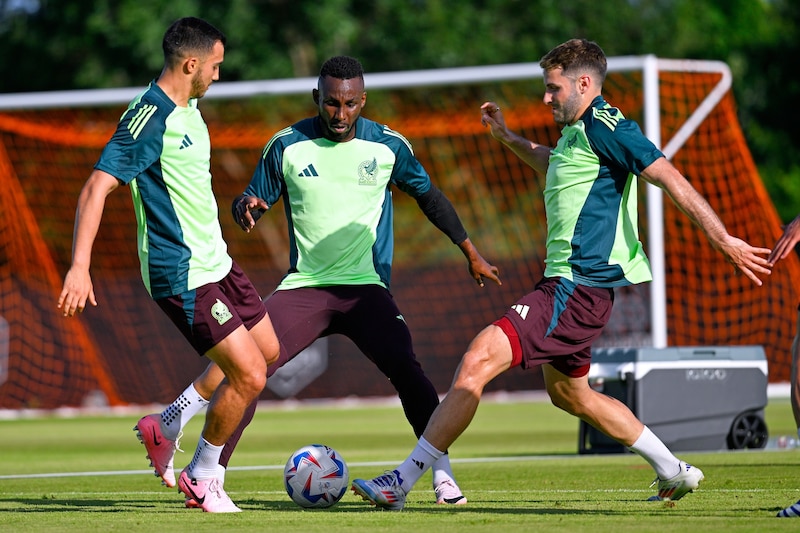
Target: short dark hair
189	35
342	68
575	57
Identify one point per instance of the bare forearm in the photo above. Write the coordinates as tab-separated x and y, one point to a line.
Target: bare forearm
87	223
748	259
469	250
699	211
534	155
665	176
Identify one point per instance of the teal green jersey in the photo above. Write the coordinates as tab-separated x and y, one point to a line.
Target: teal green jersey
337	199
163	152
591	200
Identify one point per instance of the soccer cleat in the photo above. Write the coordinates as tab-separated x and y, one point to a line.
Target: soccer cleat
678	486
793	511
447	492
191	503
206	494
160	450
383	491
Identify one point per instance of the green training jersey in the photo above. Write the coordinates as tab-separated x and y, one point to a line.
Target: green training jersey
591	200
163	152
338	200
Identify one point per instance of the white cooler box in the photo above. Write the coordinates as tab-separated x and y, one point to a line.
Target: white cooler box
693	398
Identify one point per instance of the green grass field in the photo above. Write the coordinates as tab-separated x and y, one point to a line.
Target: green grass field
517	464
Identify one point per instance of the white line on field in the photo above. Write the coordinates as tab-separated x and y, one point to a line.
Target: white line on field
273	467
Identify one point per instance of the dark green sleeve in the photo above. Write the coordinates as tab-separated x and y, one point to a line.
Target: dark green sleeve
440	211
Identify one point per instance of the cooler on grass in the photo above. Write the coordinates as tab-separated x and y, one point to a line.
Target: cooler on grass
692	398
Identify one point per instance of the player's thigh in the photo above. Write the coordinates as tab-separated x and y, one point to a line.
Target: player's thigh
298	317
562	387
240	358
264	335
375	324
488	355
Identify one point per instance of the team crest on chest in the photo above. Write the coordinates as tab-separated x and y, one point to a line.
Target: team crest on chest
220	312
368	172
569	145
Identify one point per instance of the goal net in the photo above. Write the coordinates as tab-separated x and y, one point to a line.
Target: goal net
125	352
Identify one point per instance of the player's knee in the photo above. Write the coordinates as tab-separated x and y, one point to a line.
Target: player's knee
266	341
249	381
271	353
565	401
255	382
475	371
567	405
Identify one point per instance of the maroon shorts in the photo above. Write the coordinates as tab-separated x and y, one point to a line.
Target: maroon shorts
557	324
211	312
366	314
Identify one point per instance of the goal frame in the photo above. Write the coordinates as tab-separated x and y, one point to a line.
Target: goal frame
649	65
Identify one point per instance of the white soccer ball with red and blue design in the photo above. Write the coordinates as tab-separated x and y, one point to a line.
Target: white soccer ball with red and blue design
316	476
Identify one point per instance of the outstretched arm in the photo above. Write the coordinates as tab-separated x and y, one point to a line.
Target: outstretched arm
440	211
78	286
787	241
535	155
746	258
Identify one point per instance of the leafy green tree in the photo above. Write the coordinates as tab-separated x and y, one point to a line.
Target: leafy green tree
63	44
768	92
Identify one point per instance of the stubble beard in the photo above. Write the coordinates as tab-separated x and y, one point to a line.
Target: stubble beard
198	87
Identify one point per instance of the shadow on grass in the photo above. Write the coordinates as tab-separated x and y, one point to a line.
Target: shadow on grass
47	504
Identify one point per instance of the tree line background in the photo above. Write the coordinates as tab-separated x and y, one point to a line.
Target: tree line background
64	44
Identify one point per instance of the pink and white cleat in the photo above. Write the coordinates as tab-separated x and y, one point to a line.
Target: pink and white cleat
448	493
191	503
207	494
160	450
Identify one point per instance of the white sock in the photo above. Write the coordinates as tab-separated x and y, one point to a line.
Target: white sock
205	461
442	471
178	413
416	464
657	454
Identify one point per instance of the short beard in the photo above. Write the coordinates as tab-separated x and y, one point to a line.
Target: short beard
198	88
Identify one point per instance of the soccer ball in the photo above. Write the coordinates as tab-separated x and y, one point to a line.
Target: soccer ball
315	476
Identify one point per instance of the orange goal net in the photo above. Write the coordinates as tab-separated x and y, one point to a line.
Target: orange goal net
125	352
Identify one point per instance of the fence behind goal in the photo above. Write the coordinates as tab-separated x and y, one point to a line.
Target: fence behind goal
129	352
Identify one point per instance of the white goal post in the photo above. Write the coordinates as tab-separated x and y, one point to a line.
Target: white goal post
649	65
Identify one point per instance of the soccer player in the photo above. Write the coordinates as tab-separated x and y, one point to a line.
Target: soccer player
783	247
162	150
334	172
592	247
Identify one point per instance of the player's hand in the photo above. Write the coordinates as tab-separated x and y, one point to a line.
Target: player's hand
492	116
77	290
747	259
787	242
480	269
247	210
